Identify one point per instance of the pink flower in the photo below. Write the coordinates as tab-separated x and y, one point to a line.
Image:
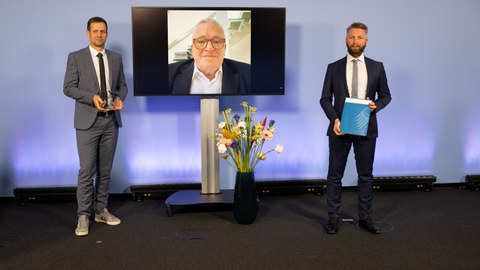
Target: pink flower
266	134
225	141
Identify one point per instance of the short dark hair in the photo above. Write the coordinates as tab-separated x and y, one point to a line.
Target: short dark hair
96	20
358	25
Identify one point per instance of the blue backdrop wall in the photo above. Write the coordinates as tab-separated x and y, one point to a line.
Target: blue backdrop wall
428	48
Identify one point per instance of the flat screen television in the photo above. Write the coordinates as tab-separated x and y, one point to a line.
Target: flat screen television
174	54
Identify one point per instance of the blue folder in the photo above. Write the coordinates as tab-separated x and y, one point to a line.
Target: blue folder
355	117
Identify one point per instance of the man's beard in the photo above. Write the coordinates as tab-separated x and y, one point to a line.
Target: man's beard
356	52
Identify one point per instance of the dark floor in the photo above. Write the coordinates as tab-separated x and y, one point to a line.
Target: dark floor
420	230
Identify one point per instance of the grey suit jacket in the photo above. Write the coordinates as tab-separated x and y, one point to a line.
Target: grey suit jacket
335	90
81	84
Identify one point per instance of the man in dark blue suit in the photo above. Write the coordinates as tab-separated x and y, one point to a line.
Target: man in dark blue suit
370	82
209	72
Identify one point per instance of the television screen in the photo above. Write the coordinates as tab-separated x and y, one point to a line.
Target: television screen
208	51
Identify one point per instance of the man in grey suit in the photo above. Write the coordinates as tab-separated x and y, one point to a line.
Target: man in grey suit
340	82
94	78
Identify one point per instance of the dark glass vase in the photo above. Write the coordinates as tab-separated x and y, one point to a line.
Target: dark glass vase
245	198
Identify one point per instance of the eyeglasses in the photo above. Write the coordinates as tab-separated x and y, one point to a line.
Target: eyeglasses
201	43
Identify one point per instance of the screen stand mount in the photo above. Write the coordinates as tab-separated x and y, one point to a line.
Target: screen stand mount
210	164
210	193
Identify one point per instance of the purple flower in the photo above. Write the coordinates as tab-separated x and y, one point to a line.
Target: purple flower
236	117
272	122
234	144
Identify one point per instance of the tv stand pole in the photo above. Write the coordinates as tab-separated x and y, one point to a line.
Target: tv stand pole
210	193
210	164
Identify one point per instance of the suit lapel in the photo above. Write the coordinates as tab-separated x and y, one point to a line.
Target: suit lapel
370	70
342	71
183	79
111	64
229	80
90	66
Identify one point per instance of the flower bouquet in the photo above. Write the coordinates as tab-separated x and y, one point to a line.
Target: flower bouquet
241	139
240	142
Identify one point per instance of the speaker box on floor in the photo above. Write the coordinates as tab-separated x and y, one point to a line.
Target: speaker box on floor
316	186
140	192
473	181
24	195
421	182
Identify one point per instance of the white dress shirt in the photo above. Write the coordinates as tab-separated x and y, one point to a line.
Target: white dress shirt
202	85
96	63
362	75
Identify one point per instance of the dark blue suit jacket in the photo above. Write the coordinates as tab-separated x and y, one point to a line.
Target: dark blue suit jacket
235	81
335	90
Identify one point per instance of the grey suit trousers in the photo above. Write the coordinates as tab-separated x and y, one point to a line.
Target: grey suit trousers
96	149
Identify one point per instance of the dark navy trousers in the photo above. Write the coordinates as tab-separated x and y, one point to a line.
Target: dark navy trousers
364	150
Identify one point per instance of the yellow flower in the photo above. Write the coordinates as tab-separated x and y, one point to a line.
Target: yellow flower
255	137
227	134
261	156
258	127
236	131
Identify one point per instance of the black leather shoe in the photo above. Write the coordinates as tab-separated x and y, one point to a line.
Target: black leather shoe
332	225
367	224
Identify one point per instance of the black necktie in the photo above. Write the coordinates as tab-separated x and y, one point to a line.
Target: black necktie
103	82
355	79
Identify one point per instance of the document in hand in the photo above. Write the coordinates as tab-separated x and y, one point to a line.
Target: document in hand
355	117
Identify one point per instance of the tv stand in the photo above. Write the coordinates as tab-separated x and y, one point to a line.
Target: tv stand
210	193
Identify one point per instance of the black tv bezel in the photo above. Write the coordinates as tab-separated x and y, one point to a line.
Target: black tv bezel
150	50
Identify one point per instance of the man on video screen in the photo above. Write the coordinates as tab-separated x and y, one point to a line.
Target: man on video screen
209	72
